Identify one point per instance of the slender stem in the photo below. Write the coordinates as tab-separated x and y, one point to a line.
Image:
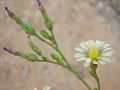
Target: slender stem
97	80
44	41
49	61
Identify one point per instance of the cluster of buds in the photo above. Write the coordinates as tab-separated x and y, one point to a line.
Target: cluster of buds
30	31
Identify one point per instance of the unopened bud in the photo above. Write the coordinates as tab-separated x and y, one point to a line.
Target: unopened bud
26	27
34	47
28	56
46	35
56	56
47	20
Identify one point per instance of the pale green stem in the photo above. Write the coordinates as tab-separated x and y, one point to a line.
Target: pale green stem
97	80
44	40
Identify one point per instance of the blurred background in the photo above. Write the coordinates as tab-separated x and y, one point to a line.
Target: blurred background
74	21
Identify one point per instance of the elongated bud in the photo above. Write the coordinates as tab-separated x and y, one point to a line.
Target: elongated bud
11	14
56	56
26	27
47	20
28	56
46	35
34	47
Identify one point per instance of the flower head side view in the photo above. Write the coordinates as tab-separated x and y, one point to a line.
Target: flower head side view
92	52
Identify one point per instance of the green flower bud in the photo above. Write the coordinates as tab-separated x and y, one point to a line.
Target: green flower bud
34	47
46	35
26	27
48	24
28	56
56	56
47	20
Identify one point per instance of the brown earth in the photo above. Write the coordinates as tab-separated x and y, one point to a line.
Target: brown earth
74	21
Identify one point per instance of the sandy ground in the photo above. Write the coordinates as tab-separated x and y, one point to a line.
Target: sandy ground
74	21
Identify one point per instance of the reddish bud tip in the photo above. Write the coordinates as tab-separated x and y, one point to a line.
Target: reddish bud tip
11	14
8	50
39	3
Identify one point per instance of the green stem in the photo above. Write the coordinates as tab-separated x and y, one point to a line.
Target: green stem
97	80
44	40
49	62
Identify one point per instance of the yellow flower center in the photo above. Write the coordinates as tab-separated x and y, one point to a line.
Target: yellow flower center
94	53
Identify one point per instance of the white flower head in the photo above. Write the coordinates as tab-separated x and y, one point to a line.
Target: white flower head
93	52
35	89
48	88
